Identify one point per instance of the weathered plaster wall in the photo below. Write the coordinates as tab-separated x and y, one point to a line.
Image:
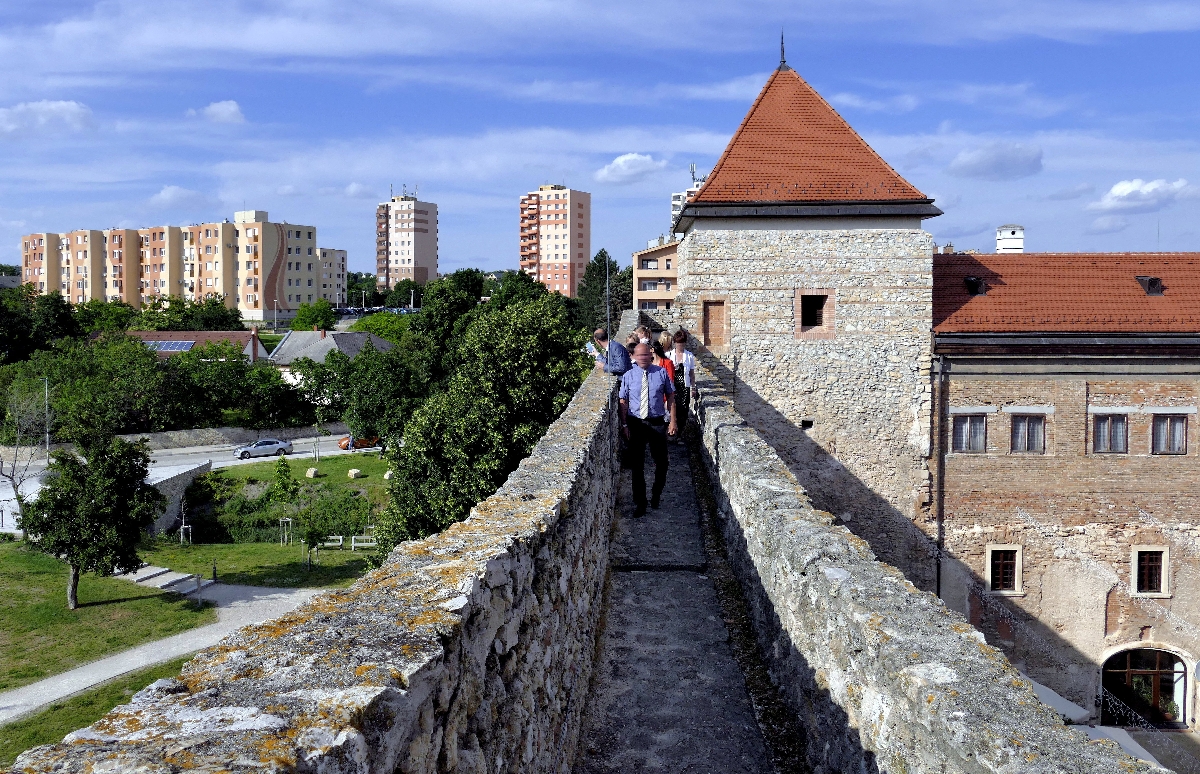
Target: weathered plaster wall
883	676
468	651
863	383
1075	515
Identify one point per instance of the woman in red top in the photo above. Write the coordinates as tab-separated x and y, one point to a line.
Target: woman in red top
662	361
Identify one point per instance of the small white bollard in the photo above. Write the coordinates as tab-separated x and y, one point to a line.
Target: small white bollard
310	473
387	476
354	473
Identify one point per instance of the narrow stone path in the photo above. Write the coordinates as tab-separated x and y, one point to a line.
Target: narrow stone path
668	695
237	606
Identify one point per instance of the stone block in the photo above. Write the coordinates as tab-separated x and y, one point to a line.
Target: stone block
387	476
310	473
354	473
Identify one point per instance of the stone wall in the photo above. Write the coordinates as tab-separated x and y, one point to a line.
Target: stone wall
884	677
847	405
468	651
220	436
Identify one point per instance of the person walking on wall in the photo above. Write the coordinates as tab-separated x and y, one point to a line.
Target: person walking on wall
685	371
615	357
647	395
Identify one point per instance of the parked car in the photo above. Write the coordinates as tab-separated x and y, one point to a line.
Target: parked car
263	448
359	443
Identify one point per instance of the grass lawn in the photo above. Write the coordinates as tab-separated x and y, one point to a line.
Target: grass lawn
62	717
261	564
330	470
270	340
40	637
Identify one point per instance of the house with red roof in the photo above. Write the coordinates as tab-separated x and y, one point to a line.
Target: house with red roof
1012	431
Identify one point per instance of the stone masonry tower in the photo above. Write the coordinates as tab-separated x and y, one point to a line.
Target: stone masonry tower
805	275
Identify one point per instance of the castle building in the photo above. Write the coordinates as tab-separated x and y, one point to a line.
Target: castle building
1011	431
406	241
556	236
258	266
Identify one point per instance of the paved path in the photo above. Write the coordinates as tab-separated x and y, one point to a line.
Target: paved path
668	695
237	606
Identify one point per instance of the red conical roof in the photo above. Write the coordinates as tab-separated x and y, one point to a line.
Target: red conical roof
793	147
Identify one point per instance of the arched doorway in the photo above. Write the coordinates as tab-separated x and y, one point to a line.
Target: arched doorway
1152	683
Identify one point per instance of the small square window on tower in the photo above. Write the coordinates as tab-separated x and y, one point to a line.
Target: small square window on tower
813	313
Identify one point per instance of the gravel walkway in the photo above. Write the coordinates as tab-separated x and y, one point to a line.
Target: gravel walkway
668	695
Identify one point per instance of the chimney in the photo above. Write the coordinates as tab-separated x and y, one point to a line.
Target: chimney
322	333
1010	239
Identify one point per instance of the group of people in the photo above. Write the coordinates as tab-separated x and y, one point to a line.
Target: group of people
656	377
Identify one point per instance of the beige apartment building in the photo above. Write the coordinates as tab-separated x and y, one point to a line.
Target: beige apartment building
556	236
406	241
262	268
655	279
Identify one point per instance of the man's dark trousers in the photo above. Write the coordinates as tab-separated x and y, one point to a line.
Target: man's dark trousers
652	431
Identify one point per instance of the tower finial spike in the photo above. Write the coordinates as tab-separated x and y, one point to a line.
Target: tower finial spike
783	65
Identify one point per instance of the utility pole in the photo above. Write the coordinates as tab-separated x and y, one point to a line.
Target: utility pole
607	299
412	298
46	386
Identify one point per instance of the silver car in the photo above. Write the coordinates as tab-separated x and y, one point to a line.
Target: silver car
263	448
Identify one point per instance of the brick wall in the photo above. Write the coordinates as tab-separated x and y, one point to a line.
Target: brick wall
1076	516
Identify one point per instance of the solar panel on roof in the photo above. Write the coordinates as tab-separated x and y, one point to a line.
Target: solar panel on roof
170	346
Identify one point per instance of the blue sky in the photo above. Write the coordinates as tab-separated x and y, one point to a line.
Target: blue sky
1078	120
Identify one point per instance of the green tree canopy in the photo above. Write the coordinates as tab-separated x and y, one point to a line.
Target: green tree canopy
97	316
382	389
386	325
405	294
175	313
9	270
518	367
362	289
205	381
92	515
516	286
592	296
318	314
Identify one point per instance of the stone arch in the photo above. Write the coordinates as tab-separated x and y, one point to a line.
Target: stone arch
1154	679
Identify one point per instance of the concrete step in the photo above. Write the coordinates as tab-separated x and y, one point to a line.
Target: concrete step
147	573
167	578
187	585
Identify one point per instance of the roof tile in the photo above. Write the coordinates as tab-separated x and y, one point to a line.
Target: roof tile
1066	293
793	147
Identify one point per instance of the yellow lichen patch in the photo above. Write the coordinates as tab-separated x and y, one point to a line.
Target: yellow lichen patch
431	617
929	699
362	669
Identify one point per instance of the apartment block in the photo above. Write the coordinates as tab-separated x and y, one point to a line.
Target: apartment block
556	236
406	241
260	267
655	278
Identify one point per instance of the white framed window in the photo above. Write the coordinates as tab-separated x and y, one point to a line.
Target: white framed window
1150	567
1003	569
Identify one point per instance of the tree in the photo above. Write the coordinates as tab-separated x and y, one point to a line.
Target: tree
9	270
319	315
381	390
518	368
405	294
205	381
284	488
53	318
446	313
601	275
16	321
99	316
26	421
271	401
386	325
362	289
93	514
516	286
175	313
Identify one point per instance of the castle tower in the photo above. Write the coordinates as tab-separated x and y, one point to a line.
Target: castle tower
807	278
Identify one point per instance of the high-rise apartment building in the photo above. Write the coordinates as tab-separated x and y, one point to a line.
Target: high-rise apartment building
259	267
682	197
406	241
556	236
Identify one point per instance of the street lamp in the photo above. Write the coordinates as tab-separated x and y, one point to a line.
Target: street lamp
277	315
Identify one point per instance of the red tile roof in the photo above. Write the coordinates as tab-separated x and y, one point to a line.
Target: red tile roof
793	147
1066	293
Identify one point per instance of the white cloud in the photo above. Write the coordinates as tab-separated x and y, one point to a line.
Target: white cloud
956	232
629	168
1138	195
224	112
359	191
173	196
46	114
1108	224
998	161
